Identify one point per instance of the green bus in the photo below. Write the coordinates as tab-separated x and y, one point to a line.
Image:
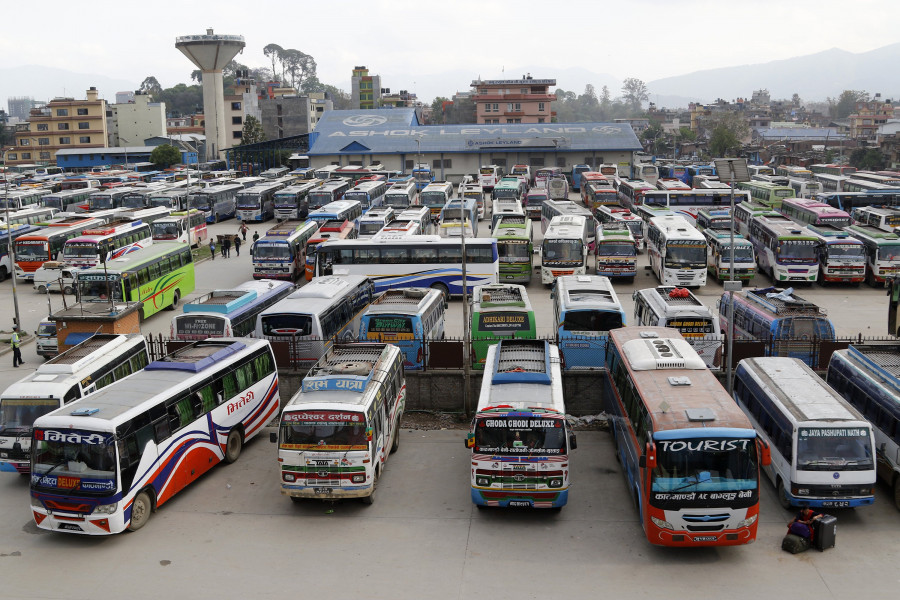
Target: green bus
499	311
159	276
513	233
767	193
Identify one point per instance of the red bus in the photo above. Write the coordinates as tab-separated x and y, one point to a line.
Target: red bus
47	244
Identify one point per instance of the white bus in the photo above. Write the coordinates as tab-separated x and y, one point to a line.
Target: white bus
412	261
275	173
102	243
89	366
105	463
187	227
823	449
332	190
401	195
337	432
373	220
678	308
292	202
281	252
326	172
370	194
339	210
677	252
257	203
519	438
322	313
564	250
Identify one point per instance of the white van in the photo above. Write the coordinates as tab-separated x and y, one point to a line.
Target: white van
55	276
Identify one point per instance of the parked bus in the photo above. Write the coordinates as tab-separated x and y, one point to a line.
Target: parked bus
830	184
678	308
849	201
866	377
533	202
329	192
794	172
423	176
106	242
646	172
882	252
435	195
773	179
616	216
746	211
228	313
257	203
565	247
585	309
785	251
514	245
146	215
842	257
326	172
559	208
409	319
805	188
281	252
401	196
158	276
866	185
615	251
34	249
813	212
677	252
473	191
415	261
186	227
87	367
891	180
275	173
459	216
292	202
140	441
822	448
717	219
324	312
575	176
369	193
688	204
690	457
488	177
499	311
175	200
631	192
691	173
543	175
884	218
719	255
672	184
68	200
597	191
217	202
108	198
788	323
374	220
760	170
337	432
23	198
339	210
328	230
39	215
247	182
520	439
767	193
412	221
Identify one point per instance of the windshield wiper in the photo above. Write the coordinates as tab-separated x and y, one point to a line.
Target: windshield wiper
701	477
54	467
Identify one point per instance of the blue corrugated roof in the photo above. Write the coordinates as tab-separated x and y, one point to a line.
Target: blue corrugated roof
799	133
397	131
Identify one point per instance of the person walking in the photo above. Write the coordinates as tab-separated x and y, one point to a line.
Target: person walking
15	343
255	236
243	233
212	248
237	245
222	247
226	245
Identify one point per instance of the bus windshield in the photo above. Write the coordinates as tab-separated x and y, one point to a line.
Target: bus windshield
616	249
267	251
513	251
690	467
889	252
798	250
80	250
685	255
562	251
370	227
324	430
164	231
95	289
287	324
31	251
846	251
200	202
133	202
70	460
591	320
433	198
250	200
396	200
742	254
831	448
18	415
504	435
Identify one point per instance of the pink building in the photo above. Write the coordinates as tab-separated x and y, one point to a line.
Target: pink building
526	100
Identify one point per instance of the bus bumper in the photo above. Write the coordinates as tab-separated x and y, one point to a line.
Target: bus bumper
830	502
327	493
517	498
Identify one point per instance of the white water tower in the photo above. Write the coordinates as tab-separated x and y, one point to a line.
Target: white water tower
210	53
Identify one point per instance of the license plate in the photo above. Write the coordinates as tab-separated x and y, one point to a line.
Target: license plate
836	504
523	503
70	527
705	538
322	490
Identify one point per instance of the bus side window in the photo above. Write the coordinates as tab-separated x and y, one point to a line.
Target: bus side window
74	393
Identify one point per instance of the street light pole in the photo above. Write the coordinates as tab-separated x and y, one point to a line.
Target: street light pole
9	241
465	300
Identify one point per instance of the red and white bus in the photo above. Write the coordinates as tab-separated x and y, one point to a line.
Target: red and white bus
186	226
690	456
106	242
35	249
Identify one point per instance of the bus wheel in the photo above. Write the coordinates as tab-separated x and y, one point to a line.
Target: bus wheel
782	496
3	274
140	511
233	446
68	290
175	298
443	289
370	499
215	217
395	443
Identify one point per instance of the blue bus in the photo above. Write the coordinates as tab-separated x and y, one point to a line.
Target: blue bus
847	201
577	170
585	309
453	210
228	313
407	318
693	170
369	193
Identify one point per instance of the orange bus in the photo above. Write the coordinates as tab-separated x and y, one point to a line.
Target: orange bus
691	457
47	244
330	230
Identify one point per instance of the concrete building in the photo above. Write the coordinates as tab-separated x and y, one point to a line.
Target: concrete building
291	115
365	89
20	106
124	97
133	122
868	117
62	124
394	138
501	101
241	102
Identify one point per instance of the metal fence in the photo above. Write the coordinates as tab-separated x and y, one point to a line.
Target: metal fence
578	353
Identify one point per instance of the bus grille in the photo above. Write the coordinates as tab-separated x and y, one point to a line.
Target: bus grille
699	528
519	486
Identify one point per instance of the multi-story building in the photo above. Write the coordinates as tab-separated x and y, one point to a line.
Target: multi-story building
20	106
365	90
868	117
243	101
525	100
291	115
62	123
130	123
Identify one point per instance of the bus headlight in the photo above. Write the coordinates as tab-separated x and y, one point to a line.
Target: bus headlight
290	476
483	481
661	524
747	522
38	504
555	483
799	491
106	509
361	478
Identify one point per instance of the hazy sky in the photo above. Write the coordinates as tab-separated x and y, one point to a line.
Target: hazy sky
648	39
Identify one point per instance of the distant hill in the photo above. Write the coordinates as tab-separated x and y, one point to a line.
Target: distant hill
814	77
46	83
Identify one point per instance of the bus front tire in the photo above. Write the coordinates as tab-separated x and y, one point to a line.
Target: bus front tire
395	443
233	446
782	496
175	298
140	511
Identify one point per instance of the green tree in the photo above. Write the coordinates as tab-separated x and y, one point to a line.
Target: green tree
253	131
605	103
151	86
844	106
687	134
867	159
437	110
165	156
634	92
273	51
725	132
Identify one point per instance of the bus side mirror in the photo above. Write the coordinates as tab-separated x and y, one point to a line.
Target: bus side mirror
273	437
648	459
765	453
470	440
369	434
573	442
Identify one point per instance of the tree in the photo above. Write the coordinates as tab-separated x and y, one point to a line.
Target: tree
725	130
151	86
844	106
634	92
165	156
437	110
253	131
687	134
605	104
273	51
197	75
868	159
